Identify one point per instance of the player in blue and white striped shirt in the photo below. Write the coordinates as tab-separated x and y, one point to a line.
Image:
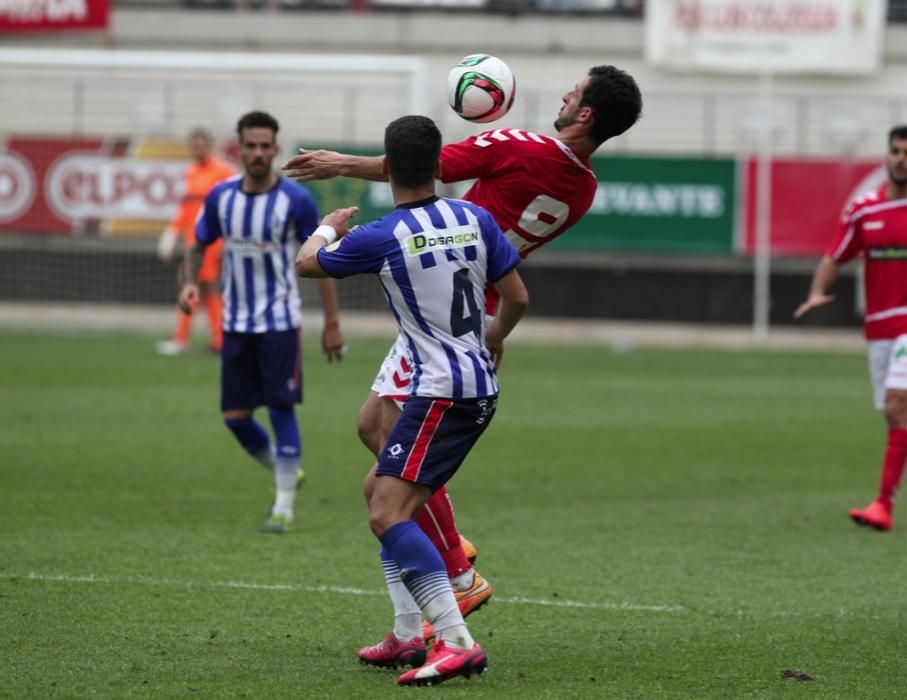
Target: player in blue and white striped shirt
263	219
433	257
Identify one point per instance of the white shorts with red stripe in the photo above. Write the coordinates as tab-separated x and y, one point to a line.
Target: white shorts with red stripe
395	376
887	367
396	373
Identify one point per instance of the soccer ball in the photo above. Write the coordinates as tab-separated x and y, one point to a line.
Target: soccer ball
480	88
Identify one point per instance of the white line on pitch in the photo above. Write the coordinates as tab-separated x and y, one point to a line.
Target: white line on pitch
342	590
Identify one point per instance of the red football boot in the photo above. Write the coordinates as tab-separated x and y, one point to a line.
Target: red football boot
391	653
445	663
874	515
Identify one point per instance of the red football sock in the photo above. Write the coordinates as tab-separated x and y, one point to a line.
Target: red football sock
893	466
437	521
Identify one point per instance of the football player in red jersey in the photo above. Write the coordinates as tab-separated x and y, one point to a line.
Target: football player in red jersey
536	187
875	225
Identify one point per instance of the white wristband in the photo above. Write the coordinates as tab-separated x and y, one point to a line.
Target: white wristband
328	233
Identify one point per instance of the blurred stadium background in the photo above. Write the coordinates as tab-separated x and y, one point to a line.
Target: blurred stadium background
95	117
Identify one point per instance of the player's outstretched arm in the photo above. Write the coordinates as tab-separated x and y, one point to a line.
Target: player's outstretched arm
825	274
513	304
323	165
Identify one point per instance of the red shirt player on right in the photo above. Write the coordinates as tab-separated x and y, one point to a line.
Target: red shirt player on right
875	225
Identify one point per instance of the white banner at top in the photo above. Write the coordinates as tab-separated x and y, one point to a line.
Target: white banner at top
756	36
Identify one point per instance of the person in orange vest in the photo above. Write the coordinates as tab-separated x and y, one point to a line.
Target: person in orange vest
201	175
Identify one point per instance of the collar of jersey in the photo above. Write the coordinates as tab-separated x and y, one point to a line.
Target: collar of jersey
419	203
267	191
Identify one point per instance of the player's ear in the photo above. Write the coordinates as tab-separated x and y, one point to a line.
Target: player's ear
586	115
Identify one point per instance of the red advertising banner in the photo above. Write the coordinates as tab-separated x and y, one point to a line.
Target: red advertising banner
53	15
808	197
108	187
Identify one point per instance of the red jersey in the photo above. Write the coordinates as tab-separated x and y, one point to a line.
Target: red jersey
876	226
534	186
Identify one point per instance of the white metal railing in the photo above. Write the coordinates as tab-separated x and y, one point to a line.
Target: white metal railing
347	100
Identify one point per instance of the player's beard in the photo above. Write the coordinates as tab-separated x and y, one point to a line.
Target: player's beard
897	177
565	119
259	169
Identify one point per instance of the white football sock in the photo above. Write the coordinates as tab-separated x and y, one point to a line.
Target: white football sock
285	471
464	581
266	458
283	504
407	616
444	615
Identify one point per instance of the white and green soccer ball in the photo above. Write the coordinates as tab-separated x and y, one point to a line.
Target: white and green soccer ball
481	88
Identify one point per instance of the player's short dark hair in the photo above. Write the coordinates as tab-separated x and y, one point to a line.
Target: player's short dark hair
253	120
898	132
412	147
614	98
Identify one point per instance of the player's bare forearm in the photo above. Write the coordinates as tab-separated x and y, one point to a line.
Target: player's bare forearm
189	292
192	261
307	258
327	289
332	342
513	304
323	165
824	276
333	226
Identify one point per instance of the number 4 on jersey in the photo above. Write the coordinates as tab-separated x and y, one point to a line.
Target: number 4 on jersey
465	316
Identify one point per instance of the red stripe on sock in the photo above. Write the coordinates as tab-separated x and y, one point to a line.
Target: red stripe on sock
437	521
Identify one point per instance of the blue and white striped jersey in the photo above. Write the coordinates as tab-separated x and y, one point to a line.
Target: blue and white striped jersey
434	258
261	233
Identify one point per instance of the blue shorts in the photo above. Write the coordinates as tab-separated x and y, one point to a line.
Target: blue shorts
260	369
432	438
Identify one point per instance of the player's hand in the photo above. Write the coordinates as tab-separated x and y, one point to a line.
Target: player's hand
332	343
339	220
495	345
166	244
813	302
313	165
188	298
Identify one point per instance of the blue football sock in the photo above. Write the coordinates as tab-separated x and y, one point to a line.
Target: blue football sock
423	573
253	438
407	615
421	567
289	448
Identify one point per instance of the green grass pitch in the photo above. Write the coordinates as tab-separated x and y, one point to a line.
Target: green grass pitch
656	524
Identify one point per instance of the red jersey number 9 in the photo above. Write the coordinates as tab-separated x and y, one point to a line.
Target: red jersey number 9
542	219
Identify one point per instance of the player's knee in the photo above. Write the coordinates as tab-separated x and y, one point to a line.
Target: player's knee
896	408
380	520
